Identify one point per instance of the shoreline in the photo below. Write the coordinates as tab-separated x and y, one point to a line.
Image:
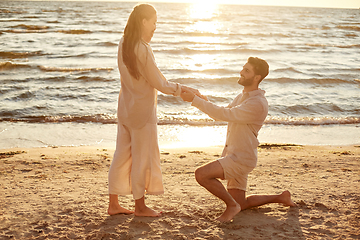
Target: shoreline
61	192
22	134
172	148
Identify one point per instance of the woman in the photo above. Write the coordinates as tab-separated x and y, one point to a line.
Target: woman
135	168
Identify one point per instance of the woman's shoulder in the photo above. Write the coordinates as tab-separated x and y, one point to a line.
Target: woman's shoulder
143	49
143	46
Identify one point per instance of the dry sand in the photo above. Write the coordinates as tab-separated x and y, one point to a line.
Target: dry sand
61	193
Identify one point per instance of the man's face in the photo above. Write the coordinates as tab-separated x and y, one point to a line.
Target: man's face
247	75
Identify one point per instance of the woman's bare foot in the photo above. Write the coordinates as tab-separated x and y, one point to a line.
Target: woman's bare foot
114	206
141	210
146	212
117	209
285	199
229	213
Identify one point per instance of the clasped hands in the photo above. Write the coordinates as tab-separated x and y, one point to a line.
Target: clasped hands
188	94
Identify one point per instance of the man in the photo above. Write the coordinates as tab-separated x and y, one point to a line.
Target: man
245	116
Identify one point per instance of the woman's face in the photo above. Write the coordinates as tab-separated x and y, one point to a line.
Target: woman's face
148	28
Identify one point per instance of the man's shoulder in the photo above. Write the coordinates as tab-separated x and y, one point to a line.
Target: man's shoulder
258	95
256	103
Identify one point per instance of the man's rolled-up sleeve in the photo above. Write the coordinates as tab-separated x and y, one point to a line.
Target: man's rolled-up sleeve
245	113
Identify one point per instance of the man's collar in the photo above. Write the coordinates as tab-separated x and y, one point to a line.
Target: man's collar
254	92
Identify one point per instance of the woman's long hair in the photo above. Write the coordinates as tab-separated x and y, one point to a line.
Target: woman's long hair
132	36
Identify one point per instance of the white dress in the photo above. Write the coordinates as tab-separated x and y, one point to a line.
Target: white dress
135	168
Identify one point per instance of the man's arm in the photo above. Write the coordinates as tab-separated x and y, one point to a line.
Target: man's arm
245	113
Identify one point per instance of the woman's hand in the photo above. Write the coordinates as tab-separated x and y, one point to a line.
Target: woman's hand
188	94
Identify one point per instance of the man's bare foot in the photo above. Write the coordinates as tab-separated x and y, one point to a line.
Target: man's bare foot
146	212
117	209
229	213
285	199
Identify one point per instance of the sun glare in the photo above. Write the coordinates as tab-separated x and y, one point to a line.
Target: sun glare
203	14
205	2
200	137
203	9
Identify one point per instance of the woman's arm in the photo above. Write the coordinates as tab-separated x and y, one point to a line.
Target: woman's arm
152	74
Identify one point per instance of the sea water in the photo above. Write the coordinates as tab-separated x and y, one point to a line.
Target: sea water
60	82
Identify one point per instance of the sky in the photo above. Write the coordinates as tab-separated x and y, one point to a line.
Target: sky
298	3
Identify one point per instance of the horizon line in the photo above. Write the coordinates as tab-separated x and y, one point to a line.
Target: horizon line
183	1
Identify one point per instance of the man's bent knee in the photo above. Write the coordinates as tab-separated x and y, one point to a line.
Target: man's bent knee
209	171
199	175
202	174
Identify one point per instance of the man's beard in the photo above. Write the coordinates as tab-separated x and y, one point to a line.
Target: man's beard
246	81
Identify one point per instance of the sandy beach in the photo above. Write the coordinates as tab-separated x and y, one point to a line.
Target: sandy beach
61	193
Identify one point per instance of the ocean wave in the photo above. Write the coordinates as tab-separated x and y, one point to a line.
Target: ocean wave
10	65
25	95
319	45
349	46
58	10
74	31
30	27
201	33
320	81
205	42
81	55
53	21
24	28
2	10
230	81
20	54
209	71
331	45
46	29
26	31
347	27
189	51
289	70
224	81
98	118
70	69
107	44
171	120
95	79
297	121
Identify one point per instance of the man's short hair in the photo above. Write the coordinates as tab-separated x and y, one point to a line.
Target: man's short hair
261	67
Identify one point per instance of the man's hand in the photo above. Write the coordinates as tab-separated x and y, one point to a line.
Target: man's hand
188	94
